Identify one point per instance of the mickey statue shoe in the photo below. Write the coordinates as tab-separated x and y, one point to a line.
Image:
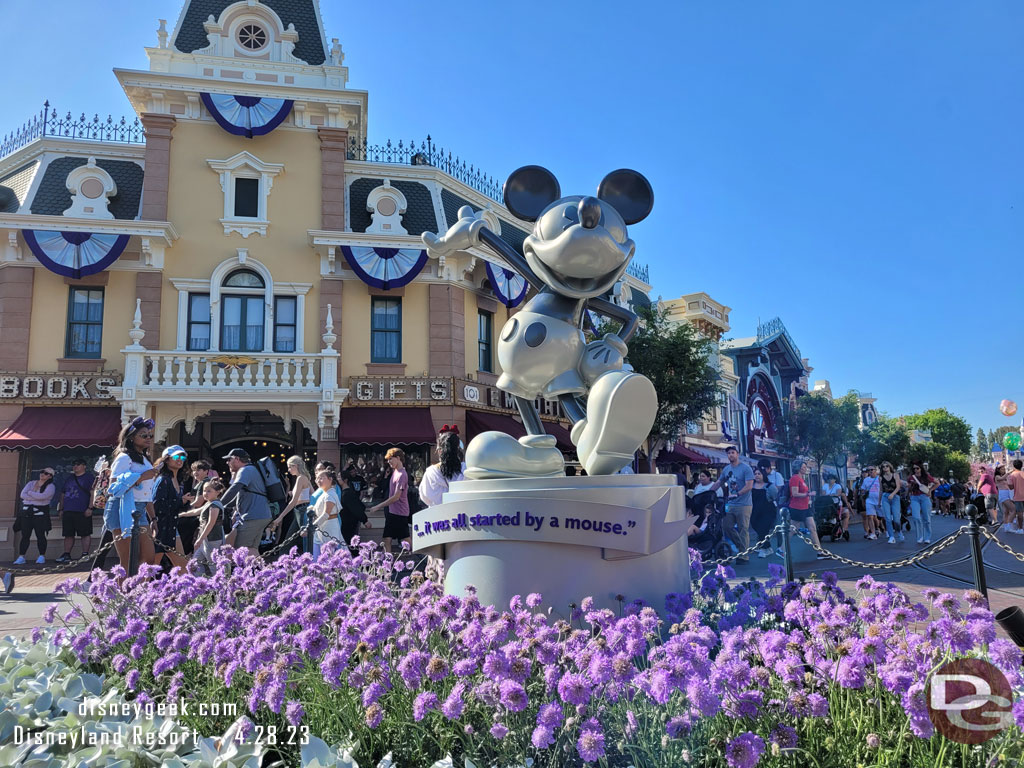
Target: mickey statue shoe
496	454
621	410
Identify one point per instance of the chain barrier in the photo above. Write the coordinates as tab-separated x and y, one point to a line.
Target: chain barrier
924	554
1005	547
27	569
749	550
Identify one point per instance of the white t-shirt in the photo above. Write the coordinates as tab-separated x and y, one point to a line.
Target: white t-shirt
700	488
433	485
776	479
834	490
124	464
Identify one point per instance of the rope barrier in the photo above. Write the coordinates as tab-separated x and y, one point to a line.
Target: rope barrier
1005	547
915	558
28	569
749	550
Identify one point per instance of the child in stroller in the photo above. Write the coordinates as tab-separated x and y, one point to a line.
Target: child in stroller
827	520
706	534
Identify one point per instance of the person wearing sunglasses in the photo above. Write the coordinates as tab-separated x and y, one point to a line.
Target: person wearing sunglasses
36	497
132	477
169	499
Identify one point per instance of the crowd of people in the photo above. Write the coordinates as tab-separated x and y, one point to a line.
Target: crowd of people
186	511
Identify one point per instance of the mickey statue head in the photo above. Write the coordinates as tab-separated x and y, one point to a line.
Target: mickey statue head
579	246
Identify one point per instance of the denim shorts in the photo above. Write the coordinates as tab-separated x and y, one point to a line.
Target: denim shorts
112	514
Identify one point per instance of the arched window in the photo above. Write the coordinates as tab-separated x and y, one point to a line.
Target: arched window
242	312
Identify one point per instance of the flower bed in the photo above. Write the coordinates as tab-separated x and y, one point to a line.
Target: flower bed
377	661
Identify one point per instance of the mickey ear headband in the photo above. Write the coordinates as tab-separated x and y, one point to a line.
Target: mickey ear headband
453	429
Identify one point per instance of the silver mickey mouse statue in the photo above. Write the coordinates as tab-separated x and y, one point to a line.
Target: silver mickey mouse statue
578	250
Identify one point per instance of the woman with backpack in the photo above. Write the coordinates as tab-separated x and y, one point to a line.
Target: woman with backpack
449	468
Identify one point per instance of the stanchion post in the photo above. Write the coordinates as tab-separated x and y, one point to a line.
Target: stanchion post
786	549
309	530
974	533
133	551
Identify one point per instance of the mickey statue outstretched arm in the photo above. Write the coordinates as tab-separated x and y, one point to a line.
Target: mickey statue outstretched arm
471	230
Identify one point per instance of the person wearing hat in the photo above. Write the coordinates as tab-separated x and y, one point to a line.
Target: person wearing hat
248	493
75	508
169	499
36	497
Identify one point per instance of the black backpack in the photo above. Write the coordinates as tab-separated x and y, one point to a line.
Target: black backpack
272	480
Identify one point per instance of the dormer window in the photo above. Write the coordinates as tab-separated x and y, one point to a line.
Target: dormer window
252	37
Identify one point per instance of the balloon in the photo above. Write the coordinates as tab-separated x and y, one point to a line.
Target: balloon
1008	407
1011	441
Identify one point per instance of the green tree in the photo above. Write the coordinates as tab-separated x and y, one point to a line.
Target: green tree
822	428
680	362
940	459
946	428
1000	434
885	440
980	447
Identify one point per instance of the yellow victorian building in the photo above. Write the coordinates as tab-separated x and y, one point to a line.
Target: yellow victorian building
242	266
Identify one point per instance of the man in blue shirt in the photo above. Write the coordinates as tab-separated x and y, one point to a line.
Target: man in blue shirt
738	479
249	494
75	507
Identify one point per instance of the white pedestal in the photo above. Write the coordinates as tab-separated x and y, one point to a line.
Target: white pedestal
615	535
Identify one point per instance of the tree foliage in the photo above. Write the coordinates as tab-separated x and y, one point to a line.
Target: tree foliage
980	446
822	428
679	361
942	462
885	440
946	428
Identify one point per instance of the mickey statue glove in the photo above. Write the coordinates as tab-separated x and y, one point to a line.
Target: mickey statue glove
463	234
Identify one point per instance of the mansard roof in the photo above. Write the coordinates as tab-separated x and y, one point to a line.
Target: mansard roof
191	35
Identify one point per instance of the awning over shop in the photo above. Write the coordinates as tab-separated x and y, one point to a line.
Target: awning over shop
89	427
720	457
386	426
484	421
680	454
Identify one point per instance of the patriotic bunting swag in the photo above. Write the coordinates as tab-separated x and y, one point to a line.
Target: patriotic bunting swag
385	268
74	254
247	115
509	287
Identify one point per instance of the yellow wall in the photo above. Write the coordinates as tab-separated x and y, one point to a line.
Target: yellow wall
196	205
48	330
498	321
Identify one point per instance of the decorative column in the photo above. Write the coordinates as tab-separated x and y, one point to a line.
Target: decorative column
134	369
158	165
328	448
333	152
15	316
148	290
447	351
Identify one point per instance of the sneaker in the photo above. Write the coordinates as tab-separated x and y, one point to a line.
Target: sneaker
1017	530
1007	528
8	582
20	560
892	540
65	558
926	541
823	557
763	553
780	552
901	539
872	537
920	541
40	560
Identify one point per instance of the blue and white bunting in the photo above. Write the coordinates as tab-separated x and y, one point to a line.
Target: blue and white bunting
74	254
385	268
507	285
247	115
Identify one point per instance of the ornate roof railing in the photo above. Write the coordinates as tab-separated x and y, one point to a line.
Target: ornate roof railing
774	327
49	123
427	153
639	271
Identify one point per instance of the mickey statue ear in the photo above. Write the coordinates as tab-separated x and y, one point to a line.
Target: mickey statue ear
629	193
529	190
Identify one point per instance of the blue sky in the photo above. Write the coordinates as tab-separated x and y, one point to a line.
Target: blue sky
854	168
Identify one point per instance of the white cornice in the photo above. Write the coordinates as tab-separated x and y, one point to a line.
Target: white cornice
102	150
162	230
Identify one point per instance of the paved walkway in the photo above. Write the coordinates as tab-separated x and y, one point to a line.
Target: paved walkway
949	570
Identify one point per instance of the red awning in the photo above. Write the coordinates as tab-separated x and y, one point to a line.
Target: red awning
680	454
485	421
88	427
386	426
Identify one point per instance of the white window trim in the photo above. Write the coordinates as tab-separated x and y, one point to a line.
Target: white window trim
215	288
245	165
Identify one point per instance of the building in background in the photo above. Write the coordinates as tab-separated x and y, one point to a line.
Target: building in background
242	266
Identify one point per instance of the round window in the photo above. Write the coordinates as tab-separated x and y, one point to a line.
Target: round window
386	206
252	37
92	188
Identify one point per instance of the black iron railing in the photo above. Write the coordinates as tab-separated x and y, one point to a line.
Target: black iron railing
49	123
426	154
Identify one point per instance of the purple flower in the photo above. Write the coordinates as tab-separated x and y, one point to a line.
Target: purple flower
534	599
542	737
632	726
294	713
454	705
50	613
424	702
818	704
512	695
590	744
784	736
374	715
550	715
574	688
744	751
499	731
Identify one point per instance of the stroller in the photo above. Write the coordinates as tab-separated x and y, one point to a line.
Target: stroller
826	519
711	542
